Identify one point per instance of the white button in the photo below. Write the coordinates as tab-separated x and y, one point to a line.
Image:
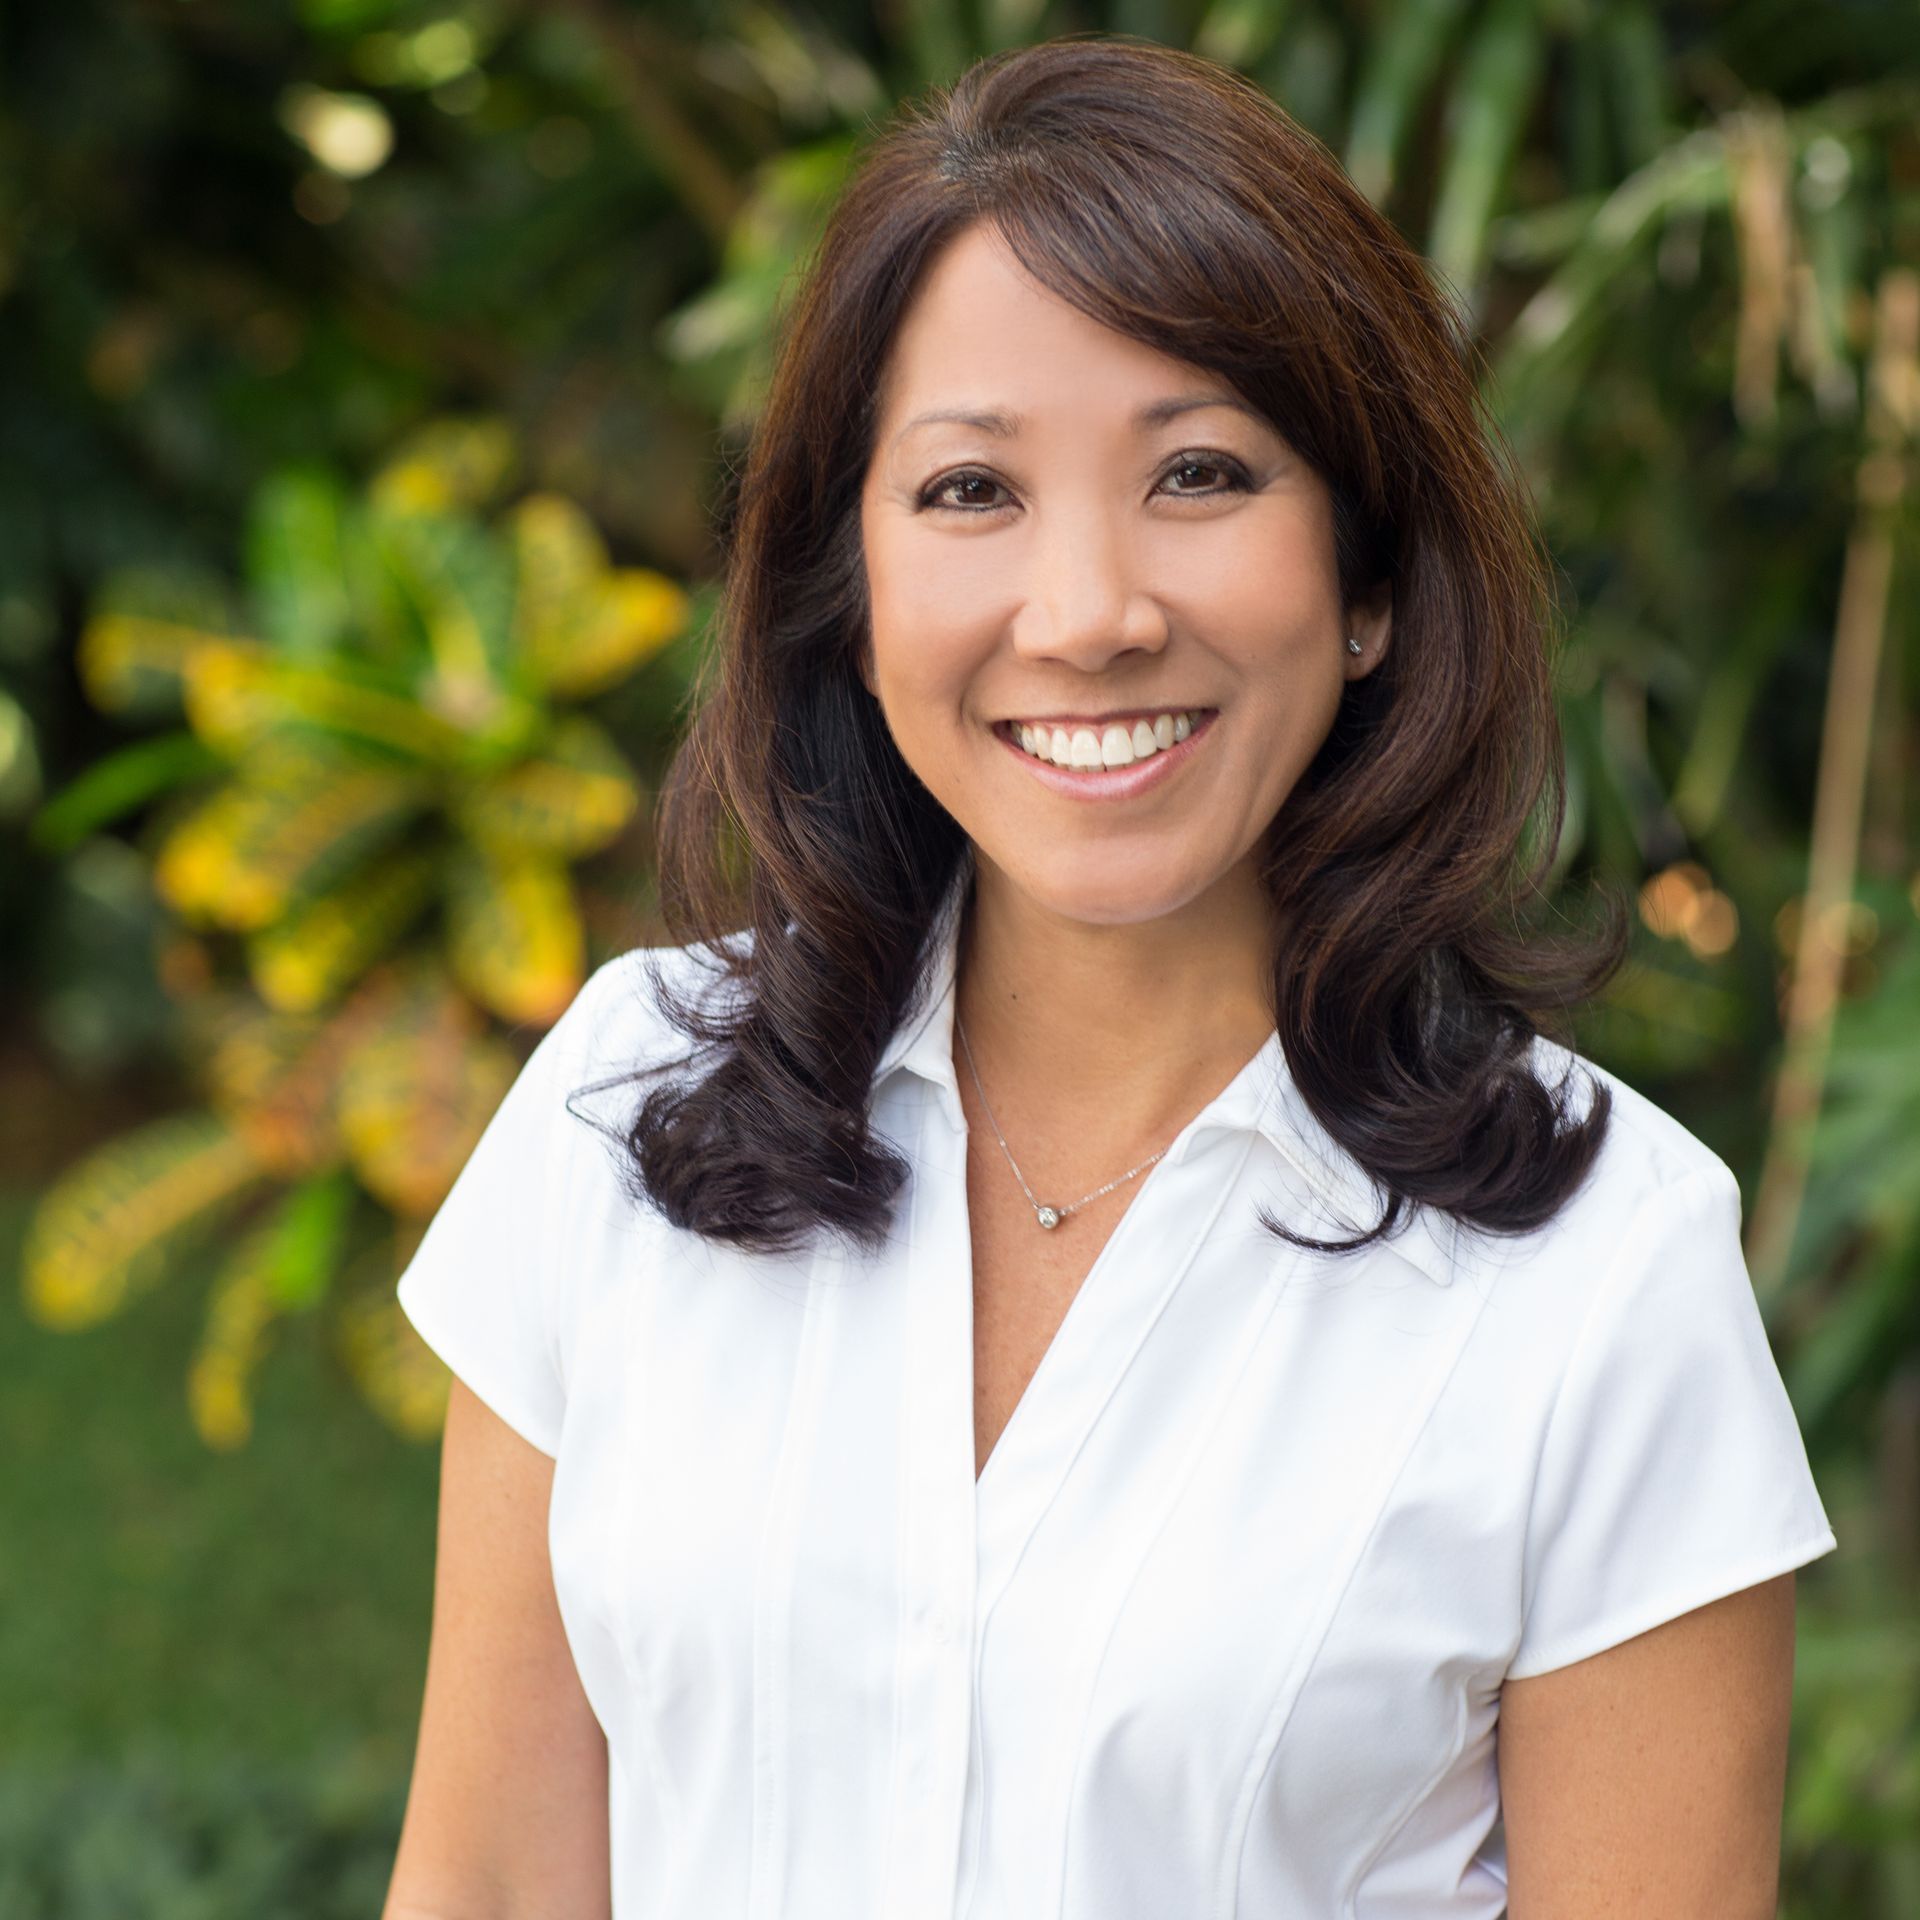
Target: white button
940	1626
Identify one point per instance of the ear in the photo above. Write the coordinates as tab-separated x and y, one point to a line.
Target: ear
1370	621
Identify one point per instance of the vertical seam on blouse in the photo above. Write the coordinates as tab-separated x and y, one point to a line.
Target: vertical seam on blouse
1456	1745
1295	1682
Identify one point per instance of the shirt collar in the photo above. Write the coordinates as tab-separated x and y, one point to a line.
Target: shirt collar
1262	1098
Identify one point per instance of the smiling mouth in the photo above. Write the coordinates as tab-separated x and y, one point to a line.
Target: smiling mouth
1088	747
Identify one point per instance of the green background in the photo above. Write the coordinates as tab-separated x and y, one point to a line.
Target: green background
1677	233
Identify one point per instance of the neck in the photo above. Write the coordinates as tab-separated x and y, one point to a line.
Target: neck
1122	1031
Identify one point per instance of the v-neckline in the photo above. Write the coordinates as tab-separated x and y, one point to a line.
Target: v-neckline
1064	1330
1070	1335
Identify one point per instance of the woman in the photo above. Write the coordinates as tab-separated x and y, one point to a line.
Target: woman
1120	1375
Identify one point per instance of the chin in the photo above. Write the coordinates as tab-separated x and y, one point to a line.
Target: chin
1118	888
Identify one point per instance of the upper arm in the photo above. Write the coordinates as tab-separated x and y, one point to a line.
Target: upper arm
1649	1778
507	1812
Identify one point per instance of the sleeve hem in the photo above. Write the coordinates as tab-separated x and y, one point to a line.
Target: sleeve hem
1626	1624
501	1400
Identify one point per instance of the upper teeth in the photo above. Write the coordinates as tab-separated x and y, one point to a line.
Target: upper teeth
1114	746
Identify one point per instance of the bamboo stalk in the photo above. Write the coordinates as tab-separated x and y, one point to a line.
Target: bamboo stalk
1860	625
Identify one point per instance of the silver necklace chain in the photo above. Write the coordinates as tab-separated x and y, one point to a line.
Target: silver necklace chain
1048	1216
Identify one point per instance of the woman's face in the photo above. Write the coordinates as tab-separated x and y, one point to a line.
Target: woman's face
1124	540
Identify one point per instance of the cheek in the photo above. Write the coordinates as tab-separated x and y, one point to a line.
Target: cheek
1268	587
923	652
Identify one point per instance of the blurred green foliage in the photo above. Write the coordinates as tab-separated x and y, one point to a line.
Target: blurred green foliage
248	252
384	735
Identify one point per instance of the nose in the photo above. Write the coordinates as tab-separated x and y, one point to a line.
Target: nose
1084	608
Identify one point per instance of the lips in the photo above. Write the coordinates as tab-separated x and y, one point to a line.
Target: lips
1116	782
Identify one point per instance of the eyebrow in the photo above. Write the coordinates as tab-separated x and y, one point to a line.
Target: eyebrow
1006	425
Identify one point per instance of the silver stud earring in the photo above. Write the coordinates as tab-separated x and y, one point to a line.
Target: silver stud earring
1353	643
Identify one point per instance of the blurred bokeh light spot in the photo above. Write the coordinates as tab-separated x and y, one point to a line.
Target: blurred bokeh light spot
348	133
1682	903
1827	168
20	772
1668	897
1712	926
441	50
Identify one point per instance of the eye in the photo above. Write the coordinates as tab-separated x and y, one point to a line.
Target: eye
1233	473
965	478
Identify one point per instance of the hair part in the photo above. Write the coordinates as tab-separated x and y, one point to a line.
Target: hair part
1172	200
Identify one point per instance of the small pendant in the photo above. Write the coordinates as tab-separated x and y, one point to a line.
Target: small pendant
1049	1217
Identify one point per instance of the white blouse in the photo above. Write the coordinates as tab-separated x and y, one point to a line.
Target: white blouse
1220	1630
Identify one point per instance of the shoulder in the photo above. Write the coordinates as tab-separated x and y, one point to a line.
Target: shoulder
1653	1185
1645	1150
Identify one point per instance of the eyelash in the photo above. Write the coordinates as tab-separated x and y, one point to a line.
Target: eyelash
1237	477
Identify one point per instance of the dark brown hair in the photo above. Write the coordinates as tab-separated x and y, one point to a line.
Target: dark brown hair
1170	199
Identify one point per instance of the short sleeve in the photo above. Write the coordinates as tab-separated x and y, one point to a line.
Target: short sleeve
1672	1471
481	1289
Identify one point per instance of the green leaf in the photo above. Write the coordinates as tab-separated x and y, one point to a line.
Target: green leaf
295	561
309	1240
461	582
1488	111
1404	53
119	782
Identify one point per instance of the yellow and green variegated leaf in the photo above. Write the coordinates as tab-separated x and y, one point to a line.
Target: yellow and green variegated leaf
567	801
102	1233
560	566
460	582
238	694
448	466
230	691
133	663
282	1264
273	1076
404	1381
143	623
244	1049
413	1097
198	872
515	936
295	819
312	953
638	612
241	1306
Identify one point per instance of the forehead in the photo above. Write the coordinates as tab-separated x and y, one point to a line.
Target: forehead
982	340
